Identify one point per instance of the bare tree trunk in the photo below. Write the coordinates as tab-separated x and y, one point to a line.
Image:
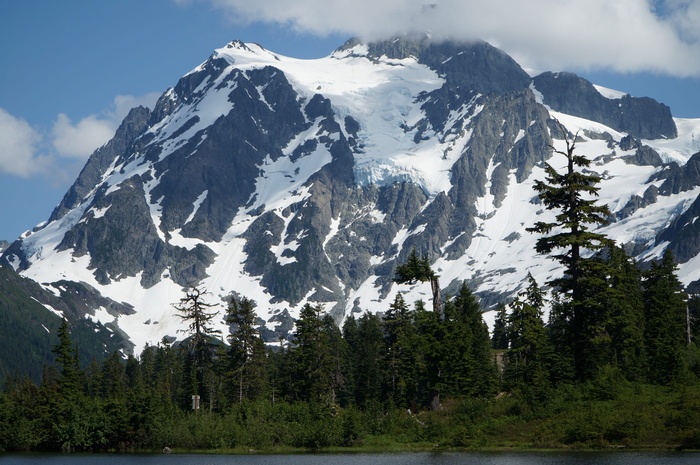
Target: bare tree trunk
437	301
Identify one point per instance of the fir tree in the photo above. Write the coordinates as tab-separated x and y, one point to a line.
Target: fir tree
528	360
367	351
336	357
312	358
350	338
571	195
67	359
246	352
400	357
429	343
193	309
665	329
474	371
499	337
418	269
614	320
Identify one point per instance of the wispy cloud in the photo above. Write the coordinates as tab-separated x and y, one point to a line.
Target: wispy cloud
19	147
79	140
625	35
26	151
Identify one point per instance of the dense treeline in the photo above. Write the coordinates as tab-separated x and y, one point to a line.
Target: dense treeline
615	363
409	376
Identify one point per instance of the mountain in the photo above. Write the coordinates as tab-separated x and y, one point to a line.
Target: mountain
292	181
30	314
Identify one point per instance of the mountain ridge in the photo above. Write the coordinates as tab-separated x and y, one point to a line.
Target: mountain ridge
295	181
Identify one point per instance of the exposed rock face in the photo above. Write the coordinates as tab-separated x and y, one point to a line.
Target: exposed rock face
683	233
256	176
643	118
100	161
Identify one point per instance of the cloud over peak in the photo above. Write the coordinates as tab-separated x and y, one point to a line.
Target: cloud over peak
625	36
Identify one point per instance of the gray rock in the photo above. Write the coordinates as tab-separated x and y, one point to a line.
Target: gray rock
642	118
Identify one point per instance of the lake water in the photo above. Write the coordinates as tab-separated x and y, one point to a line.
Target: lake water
426	458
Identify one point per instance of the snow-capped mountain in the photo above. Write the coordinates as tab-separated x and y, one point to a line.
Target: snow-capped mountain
292	181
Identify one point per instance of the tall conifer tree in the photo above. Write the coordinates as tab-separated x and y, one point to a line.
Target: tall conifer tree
246	349
571	194
193	309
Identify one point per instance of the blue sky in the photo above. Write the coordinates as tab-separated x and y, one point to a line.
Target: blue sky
70	70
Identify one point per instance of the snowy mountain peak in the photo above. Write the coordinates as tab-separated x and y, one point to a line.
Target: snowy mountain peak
292	181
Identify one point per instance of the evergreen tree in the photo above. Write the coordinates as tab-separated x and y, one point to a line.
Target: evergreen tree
499	338
528	361
400	359
614	320
312	358
429	345
559	333
336	357
418	269
193	309
113	377
571	195
367	351
470	367
350	339
665	329
246	352
693	318
67	359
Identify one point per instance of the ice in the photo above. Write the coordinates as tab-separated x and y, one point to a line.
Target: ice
381	95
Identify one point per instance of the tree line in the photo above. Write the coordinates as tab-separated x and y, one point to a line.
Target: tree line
378	374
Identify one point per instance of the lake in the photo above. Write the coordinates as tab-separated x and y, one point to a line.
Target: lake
423	458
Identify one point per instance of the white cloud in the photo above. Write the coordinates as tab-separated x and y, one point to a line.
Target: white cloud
79	140
19	143
123	103
26	151
624	35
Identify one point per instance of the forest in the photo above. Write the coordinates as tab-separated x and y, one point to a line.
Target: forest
615	364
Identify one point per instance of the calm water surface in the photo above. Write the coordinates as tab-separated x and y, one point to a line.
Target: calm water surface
450	458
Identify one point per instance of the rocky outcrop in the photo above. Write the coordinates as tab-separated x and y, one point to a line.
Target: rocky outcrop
643	118
103	158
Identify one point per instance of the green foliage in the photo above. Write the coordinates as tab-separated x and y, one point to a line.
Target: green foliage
67	359
529	360
499	338
246	354
665	313
572	196
315	356
401	357
192	309
415	269
416	377
418	269
366	353
468	366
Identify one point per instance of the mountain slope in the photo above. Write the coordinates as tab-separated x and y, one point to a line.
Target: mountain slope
29	320
293	181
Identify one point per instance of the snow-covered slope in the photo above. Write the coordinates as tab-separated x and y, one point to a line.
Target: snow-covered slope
292	181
